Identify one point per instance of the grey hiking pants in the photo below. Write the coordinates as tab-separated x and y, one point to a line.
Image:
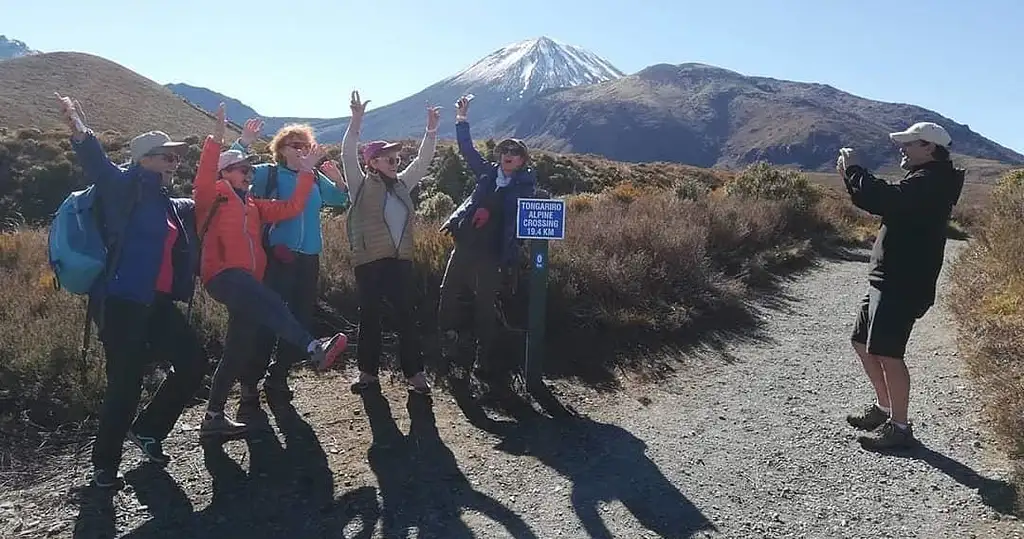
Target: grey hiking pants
475	272
251	306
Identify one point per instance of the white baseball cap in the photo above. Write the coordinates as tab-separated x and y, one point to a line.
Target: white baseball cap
229	158
925	131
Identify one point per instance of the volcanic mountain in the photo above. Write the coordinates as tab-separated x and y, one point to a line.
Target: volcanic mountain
500	82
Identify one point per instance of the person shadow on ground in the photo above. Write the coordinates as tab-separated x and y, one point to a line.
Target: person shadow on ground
420	482
603	462
288	490
998	495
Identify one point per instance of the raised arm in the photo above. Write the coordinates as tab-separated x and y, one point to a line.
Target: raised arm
875	195
273	211
350	145
416	170
250	132
205	183
333	189
87	147
469	152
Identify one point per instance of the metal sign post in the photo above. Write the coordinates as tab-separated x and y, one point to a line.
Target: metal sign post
538	220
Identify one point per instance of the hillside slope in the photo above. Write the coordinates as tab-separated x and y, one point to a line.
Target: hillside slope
708	116
114	97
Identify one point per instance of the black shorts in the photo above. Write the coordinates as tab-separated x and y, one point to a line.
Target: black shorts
884	323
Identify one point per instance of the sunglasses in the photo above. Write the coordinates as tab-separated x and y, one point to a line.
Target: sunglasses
393	160
299	145
511	150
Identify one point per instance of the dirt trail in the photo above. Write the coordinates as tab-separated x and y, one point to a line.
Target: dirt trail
747	442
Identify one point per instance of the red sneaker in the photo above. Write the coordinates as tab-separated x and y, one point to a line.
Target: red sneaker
328	350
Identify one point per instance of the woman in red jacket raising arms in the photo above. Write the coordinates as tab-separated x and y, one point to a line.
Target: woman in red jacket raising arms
233	263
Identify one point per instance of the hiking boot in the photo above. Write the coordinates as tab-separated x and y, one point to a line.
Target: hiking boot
328	350
890	437
249	395
111	479
151	448
418	383
364	382
220	425
869	419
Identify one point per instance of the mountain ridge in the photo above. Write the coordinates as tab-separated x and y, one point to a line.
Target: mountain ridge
564	98
710	116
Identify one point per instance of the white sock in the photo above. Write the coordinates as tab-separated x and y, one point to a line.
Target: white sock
883	408
901	426
312	346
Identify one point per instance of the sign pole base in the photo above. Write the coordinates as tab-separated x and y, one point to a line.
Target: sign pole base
534	369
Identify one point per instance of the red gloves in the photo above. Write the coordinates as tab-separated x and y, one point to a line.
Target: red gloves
480	217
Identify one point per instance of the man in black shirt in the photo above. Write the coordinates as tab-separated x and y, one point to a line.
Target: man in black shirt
905	263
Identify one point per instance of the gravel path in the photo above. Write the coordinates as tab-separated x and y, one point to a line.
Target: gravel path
747	442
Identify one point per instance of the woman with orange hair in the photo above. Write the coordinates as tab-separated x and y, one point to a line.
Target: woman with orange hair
293	249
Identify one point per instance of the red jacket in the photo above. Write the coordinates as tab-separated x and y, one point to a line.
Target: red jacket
234	237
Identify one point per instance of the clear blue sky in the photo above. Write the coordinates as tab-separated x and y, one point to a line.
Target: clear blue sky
962	59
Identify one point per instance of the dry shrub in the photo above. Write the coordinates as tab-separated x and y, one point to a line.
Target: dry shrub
988	301
41	369
639	269
40	336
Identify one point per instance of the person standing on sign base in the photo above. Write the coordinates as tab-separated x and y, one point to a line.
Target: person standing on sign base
905	263
484	230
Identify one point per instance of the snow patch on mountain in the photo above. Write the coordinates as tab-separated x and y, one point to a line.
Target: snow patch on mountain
527	67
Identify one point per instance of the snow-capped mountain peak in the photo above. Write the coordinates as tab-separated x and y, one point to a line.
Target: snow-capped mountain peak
526	67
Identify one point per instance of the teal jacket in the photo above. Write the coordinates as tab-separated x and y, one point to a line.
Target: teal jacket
302	233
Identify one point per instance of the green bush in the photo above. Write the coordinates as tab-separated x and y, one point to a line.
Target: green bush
763	181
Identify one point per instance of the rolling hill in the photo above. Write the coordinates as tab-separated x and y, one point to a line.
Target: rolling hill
114	97
709	116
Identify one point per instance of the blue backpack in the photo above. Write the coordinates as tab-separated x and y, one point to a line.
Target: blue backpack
78	250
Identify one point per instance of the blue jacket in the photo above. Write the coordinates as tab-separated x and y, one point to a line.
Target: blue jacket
522	185
145	229
301	234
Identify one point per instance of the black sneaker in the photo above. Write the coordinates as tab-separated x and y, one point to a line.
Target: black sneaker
890	437
108	479
870	419
151	448
219	425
